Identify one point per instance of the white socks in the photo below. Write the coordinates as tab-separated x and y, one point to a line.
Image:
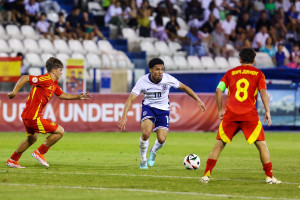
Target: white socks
157	146
143	148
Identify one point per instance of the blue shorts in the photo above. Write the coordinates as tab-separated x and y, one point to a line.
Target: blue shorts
160	118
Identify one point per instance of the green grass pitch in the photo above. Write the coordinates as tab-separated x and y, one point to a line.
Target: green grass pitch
106	166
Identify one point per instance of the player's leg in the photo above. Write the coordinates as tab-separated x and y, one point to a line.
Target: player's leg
266	162
159	143
23	146
56	133
225	134
146	127
254	133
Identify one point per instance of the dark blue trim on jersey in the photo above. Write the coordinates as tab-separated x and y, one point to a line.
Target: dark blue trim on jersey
149	76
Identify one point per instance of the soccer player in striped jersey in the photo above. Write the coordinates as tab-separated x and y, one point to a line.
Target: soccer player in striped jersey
243	83
44	86
156	107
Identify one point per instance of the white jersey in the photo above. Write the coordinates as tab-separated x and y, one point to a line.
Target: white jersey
156	94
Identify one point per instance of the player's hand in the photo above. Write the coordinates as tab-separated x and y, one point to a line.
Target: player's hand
221	114
122	124
11	95
201	106
268	118
85	96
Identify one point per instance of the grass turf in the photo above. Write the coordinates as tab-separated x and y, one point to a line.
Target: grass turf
106	166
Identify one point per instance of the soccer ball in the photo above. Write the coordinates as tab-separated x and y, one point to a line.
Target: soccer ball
191	161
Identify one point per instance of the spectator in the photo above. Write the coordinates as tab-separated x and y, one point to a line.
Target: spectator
165	8
172	27
239	43
6	12
19	13
130	16
260	38
143	19
89	28
73	24
193	44
263	21
194	10
270	7
279	58
43	27
228	26
279	21
292	22
295	57
24	67
269	48
284	4
219	42
32	10
60	27
210	24
158	29
114	16
245	25
207	40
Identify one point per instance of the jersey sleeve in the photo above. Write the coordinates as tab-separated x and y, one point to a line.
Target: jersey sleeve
136	90
174	82
58	91
225	79
34	80
262	82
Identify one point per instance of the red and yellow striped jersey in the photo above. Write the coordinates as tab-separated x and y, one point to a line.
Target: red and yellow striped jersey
43	88
243	84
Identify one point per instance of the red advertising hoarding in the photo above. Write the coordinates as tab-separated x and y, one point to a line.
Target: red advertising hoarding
103	111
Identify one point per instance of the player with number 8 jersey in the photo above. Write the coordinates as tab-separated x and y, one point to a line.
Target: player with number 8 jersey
243	83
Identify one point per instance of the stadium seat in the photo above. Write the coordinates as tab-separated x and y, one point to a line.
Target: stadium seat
2	54
162	48
263	60
33	60
169	63
95	8
175	48
45	57
149	48
52	17
14	32
181	62
182	24
194	62
63	57
77	56
31	45
29	32
133	39
106	63
3	34
61	46
93	60
76	46
234	62
105	46
35	71
46	46
90	46
221	62
208	63
16	45
4	48
182	32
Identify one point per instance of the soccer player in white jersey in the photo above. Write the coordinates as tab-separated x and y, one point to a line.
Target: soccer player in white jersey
155	107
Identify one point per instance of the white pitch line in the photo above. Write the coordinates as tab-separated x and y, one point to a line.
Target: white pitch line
138	175
148	191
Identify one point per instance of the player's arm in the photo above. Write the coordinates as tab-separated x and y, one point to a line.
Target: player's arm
121	124
265	100
21	82
192	94
81	96
220	88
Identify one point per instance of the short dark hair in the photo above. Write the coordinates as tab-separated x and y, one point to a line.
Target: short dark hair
53	63
247	55
155	61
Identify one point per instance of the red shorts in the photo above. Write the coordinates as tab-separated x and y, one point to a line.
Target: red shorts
39	125
252	130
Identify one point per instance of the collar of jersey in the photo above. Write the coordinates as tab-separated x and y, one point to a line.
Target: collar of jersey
149	76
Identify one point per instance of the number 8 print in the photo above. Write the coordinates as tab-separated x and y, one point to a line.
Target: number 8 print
242	89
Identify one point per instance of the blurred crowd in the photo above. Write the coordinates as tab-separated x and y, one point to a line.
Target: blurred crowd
215	27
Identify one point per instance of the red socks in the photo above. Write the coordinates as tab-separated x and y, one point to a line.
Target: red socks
15	156
210	164
268	169
43	149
